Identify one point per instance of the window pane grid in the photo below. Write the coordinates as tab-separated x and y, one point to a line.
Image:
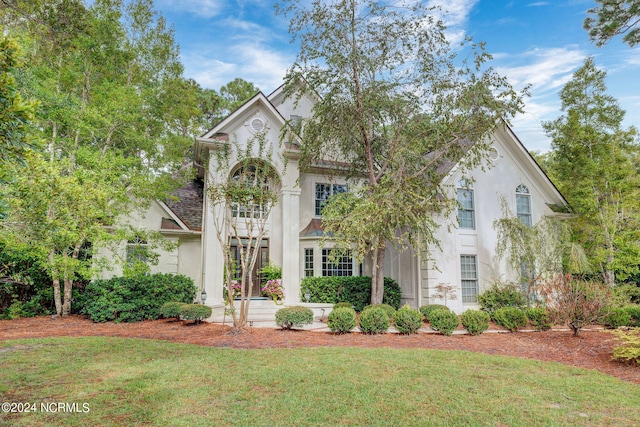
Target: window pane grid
308	262
324	191
469	276
466	214
341	266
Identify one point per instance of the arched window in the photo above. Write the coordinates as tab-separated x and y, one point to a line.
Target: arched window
523	205
249	193
466	212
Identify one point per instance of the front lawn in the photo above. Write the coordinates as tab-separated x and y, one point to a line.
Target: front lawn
145	382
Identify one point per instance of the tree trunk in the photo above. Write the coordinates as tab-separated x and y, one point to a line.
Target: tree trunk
66	306
377	276
56	296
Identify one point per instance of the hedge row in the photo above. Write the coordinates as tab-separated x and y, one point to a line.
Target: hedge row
355	290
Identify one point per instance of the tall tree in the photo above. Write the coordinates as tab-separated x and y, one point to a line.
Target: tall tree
400	106
613	18
116	118
595	164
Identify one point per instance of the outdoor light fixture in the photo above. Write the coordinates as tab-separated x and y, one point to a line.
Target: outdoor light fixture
307	295
203	296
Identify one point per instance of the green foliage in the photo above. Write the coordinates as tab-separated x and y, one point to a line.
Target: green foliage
617	317
475	321
629	350
374	321
511	318
625	293
171	309
634	314
501	295
386	307
195	312
426	310
342	320
342	304
356	290
131	299
407	320
270	272
297	316
613	18
538	318
445	321
604	190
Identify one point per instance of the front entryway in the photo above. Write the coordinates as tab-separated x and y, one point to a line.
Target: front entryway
263	260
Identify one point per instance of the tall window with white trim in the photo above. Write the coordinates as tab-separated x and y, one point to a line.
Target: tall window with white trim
308	262
523	205
469	276
466	212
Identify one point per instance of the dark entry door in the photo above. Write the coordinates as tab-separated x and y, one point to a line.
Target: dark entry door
263	259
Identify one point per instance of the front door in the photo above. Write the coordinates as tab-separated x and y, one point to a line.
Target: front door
263	259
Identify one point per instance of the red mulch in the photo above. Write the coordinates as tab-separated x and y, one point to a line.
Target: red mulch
591	349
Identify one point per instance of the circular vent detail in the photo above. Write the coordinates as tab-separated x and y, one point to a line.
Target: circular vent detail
257	125
494	154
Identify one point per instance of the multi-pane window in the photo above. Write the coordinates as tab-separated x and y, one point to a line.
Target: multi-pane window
137	251
247	178
466	214
308	262
324	191
338	264
469	276
523	205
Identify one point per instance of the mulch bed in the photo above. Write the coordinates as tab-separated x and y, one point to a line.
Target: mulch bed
591	349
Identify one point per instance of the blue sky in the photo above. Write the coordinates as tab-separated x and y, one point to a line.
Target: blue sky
533	42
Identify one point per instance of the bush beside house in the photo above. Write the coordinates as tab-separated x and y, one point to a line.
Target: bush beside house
355	290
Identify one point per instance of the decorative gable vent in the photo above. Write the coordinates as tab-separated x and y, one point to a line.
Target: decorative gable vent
257	125
494	154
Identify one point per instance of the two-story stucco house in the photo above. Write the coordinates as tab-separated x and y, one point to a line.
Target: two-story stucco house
466	257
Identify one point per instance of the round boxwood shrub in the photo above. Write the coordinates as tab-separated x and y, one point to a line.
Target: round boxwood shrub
634	314
171	309
374	321
617	317
296	316
426	310
342	304
407	320
538	318
511	318
445	321
475	321
342	320
386	307
195	312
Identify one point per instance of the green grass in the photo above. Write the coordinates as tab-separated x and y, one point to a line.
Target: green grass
158	383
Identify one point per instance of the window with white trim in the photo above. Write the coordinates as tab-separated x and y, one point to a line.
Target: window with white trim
324	191
137	251
523	205
469	276
466	211
308	262
339	265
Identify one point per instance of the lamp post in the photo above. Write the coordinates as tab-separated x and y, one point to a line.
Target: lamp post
203	296
307	295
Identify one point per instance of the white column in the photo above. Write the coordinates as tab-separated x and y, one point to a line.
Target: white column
212	256
291	244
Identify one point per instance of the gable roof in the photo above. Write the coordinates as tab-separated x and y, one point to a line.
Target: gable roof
188	207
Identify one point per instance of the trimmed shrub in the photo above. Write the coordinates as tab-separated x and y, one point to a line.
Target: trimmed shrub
374	321
296	316
171	309
356	290
195	312
407	320
386	307
538	318
131	299
629	351
342	320
501	295
342	304
426	310
634	314
475	321
445	321
617	317
511	318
